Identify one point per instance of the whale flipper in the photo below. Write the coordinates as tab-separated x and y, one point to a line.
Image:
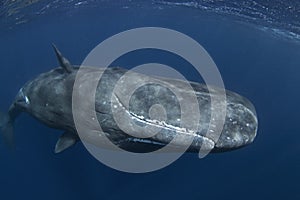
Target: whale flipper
64	63
65	141
6	125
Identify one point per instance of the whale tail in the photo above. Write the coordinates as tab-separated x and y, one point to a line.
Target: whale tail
7	129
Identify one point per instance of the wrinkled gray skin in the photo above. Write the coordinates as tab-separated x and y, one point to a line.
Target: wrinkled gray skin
48	98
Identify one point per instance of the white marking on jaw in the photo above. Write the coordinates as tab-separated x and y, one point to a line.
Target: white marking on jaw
163	124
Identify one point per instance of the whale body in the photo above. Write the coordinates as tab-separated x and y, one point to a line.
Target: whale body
48	98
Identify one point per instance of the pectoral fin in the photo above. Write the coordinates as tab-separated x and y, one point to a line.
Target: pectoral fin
65	141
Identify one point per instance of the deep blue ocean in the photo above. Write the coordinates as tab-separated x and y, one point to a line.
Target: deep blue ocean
256	47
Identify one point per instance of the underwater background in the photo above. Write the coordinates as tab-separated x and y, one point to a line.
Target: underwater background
256	46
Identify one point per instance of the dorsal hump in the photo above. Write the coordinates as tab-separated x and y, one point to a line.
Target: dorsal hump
64	63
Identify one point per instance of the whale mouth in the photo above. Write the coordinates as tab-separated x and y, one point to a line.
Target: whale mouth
142	145
131	143
177	138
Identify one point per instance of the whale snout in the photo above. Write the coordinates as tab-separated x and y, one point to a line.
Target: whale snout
240	126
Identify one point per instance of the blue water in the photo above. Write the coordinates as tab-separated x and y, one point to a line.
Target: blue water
254	60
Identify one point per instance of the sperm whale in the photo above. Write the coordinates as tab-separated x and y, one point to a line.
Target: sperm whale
48	98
